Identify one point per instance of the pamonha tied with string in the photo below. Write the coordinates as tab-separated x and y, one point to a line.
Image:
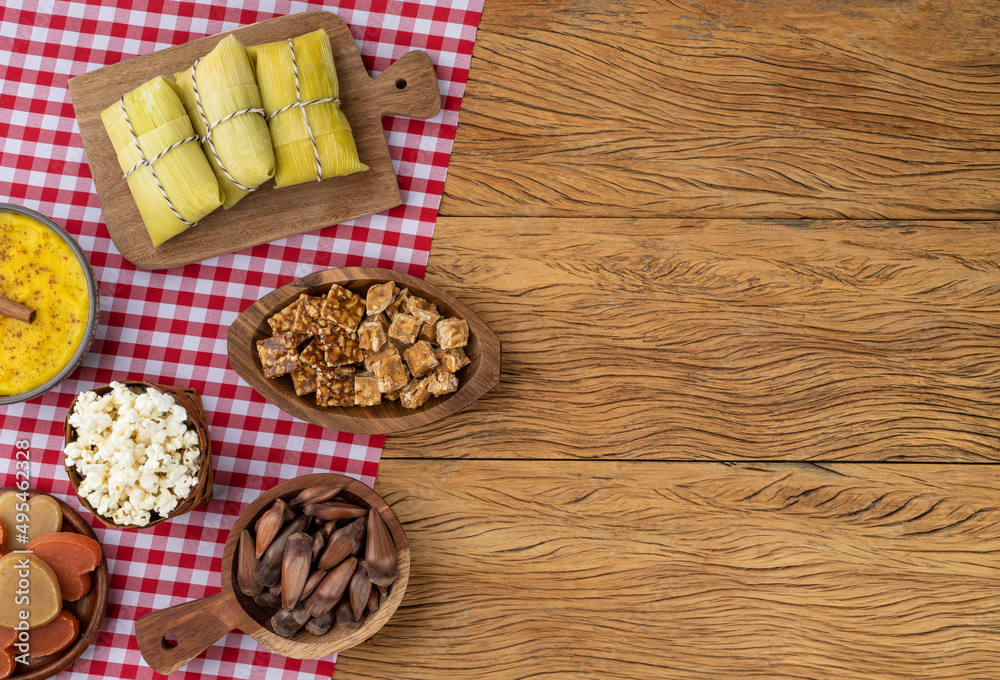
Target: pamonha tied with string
235	119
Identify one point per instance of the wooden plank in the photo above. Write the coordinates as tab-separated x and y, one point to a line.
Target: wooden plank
726	340
807	108
691	570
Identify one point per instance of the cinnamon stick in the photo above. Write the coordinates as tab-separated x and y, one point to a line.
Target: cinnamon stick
15	310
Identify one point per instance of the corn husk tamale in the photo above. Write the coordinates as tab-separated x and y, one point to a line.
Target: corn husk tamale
225	83
159	121
294	152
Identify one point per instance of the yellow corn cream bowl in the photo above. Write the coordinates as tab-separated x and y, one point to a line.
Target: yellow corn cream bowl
44	268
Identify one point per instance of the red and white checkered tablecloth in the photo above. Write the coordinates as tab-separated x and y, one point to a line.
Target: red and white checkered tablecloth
170	326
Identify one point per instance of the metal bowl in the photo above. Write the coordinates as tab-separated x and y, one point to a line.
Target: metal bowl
95	307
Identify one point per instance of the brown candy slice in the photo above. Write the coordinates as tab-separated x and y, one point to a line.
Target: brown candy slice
451	360
415	394
43	513
372	333
304	379
391	373
343	308
340	348
424	310
366	392
420	359
452	333
336	389
441	383
283	321
309	316
404	328
278	355
379	297
26	574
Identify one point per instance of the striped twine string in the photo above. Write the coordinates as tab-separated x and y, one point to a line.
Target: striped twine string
210	127
302	105
149	163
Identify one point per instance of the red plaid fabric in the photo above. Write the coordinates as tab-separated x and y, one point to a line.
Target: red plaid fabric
170	326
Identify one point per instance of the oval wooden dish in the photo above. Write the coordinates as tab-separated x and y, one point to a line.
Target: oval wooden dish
89	610
474	380
198	624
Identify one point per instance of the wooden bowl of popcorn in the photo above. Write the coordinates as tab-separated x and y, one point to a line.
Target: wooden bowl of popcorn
138	453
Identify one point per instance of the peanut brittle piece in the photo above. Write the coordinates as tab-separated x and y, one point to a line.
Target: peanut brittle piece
404	328
336	388
441	383
284	320
391	373
420	359
278	355
366	392
452	333
414	395
372	333
304	378
398	304
424	310
371	358
451	360
340	348
428	332
309	318
343	308
379	297
315	356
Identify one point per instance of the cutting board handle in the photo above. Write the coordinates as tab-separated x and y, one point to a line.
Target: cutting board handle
195	626
409	87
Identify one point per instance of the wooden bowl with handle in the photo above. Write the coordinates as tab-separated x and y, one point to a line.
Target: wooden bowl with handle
198	624
474	380
89	610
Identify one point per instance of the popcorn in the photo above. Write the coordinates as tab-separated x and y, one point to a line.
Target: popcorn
134	453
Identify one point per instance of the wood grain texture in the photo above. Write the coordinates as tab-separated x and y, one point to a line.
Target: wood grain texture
808	108
408	88
480	376
699	570
727	340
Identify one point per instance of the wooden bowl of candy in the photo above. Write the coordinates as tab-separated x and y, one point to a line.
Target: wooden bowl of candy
367	350
314	566
68	584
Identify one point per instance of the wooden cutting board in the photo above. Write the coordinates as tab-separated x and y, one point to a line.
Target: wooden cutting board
407	88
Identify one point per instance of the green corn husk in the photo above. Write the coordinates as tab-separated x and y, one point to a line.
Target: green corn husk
226	84
159	120
293	150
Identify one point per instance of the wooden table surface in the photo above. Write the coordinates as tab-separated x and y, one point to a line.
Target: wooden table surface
744	261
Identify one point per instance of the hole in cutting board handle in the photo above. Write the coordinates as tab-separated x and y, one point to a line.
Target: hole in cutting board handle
169	641
401	83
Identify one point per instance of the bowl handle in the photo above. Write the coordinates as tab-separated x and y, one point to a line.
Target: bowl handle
169	638
408	87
